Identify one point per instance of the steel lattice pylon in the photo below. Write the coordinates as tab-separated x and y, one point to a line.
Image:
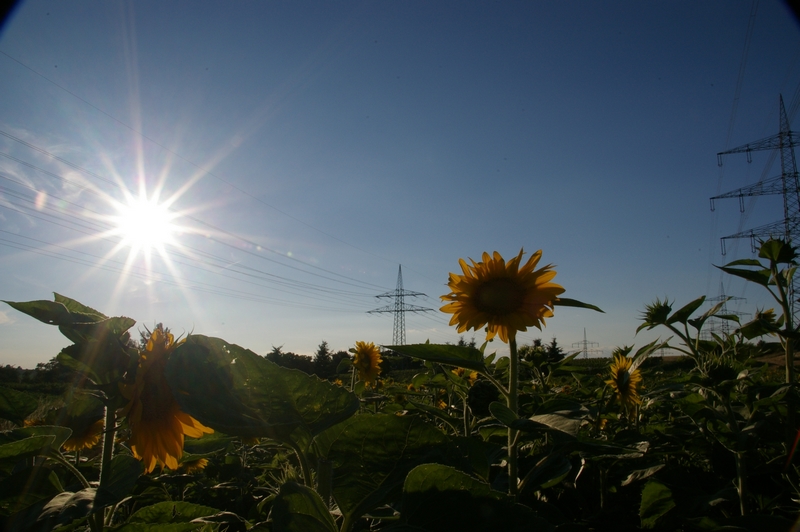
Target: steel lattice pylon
399	308
586	346
786	184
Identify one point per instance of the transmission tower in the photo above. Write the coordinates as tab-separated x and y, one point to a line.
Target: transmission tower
399	308
786	184
717	325
586	345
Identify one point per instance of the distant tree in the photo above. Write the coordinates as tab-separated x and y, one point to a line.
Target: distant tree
464	343
10	373
291	360
52	371
553	352
322	361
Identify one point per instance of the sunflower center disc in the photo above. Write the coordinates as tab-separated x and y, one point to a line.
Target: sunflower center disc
500	297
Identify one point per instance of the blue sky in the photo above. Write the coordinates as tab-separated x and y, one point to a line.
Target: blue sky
311	147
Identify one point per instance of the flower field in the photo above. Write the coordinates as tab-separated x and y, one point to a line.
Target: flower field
195	433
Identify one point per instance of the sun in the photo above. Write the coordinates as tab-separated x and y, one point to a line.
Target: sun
145	224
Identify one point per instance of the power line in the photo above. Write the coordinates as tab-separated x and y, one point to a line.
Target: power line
193	218
296	285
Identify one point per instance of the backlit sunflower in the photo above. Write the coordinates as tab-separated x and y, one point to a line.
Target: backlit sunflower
367	361
194	466
504	297
626	383
156	422
470	376
83	415
86	439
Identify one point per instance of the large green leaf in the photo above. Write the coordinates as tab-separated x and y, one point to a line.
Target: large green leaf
298	508
438	497
683	314
656	501
237	392
535	423
16	406
452	355
104	331
51	312
372	454
78	308
549	471
100	350
171	512
66	507
29	441
762	277
125	471
27	486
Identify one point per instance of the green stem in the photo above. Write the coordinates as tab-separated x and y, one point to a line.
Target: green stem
109	433
325	480
347	524
307	480
513	378
72	469
466	416
741	474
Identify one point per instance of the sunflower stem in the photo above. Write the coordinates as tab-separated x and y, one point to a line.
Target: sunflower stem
72	469
513	378
307	480
108	444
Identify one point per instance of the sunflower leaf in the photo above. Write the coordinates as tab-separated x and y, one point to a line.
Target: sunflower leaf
237	392
686	311
125	471
567	302
170	512
438	497
762	277
372	454
452	355
298	508
51	312
656	501
79	308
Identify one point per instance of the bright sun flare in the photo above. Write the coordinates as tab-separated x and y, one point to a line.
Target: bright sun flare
145	224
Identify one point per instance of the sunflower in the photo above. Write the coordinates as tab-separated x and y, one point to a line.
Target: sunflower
86	439
470	377
83	415
502	296
626	383
156	422
194	466
367	361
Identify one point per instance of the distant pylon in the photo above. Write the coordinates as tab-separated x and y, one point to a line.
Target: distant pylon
399	308
720	326
786	184
585	345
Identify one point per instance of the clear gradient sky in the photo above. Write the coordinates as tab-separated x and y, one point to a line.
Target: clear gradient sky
311	147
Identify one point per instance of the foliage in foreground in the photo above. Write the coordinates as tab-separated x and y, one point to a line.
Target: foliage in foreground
534	441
